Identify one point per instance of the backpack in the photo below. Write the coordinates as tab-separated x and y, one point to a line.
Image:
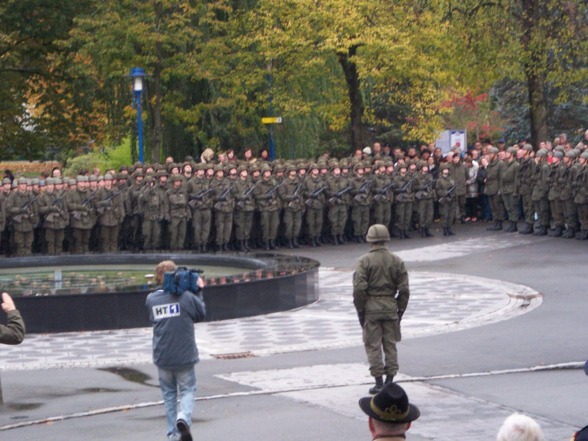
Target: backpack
181	280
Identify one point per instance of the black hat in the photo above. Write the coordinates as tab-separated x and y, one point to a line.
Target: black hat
390	405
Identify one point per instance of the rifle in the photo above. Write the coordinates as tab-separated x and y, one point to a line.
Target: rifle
338	195
294	203
108	199
77	214
199	196
25	207
270	192
314	195
246	194
51	216
361	192
405	186
223	197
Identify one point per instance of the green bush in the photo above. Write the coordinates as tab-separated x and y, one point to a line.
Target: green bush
109	158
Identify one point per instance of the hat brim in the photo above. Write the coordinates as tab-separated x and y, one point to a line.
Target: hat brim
365	405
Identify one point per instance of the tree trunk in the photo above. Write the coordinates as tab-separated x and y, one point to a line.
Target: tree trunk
355	98
538	109
157	127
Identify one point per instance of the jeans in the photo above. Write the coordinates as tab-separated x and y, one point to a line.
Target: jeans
170	381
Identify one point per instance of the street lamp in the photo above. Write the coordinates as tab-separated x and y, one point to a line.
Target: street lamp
137	75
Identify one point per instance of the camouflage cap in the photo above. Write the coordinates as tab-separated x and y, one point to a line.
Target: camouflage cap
34	181
289	168
571	154
541	153
6	181
559	148
81	178
584	155
42	183
445	166
177	177
108	177
528	147
512	150
557	154
493	150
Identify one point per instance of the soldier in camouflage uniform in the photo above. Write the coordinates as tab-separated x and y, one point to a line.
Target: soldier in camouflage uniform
566	179
459	175
153	210
581	195
290	193
314	201
244	208
21	208
508	179
82	214
403	199
524	186
200	202
266	197
383	194
110	209
445	190
136	223
224	205
337	189
424	194
494	171
179	212
361	200
380	296
54	214
4	233
555	169
540	192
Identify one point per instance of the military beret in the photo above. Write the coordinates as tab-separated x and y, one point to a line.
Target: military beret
558	154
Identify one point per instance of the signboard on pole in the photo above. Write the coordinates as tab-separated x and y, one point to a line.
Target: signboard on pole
452	138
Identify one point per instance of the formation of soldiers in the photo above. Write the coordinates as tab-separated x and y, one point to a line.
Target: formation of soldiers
264	205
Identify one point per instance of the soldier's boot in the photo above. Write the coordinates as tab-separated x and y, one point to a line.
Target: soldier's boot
356	239
428	233
341	239
296	243
335	239
290	244
225	247
582	235
512	227
527	229
266	245
204	248
450	232
273	245
496	227
378	386
540	231
389	379
445	233
317	242
405	235
570	233
555	232
423	233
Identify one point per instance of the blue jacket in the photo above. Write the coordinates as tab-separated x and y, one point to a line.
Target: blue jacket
173	318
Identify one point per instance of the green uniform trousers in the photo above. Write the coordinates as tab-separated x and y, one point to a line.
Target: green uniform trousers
379	338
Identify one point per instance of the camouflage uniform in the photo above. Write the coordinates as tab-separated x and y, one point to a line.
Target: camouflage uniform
244	209
265	195
55	218
179	212
153	211
424	195
581	196
224	204
403	199
291	196
540	191
314	200
337	187
110	209
445	190
361	199
507	189
22	218
200	202
82	214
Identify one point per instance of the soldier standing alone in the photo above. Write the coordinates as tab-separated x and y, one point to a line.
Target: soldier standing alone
380	296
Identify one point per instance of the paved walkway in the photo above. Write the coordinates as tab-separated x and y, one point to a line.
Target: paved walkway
439	303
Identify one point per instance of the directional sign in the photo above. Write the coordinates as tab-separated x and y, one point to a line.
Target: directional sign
271	120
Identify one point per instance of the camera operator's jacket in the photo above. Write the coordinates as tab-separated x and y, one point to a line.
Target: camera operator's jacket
173	319
380	285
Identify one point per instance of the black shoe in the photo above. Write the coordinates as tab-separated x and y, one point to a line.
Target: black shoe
582	235
445	232
555	232
512	227
273	245
296	243
266	246
450	232
341	239
290	244
378	386
541	231
389	379
428	233
184	430
528	229
496	227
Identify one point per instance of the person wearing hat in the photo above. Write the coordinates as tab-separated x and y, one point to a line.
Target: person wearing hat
224	205
554	179
380	296
507	189
135	239
179	212
82	214
581	196
459	174
290	193
110	209
566	179
524	186
445	189
244	208
54	217
22	212
336	191
494	170
361	200
314	200
403	199
266	198
383	195
390	413
153	211
200	202
424	198
539	195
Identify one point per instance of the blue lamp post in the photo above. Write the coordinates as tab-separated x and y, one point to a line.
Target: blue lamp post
137	75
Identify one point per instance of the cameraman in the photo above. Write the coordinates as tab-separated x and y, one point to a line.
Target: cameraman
13	333
174	349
